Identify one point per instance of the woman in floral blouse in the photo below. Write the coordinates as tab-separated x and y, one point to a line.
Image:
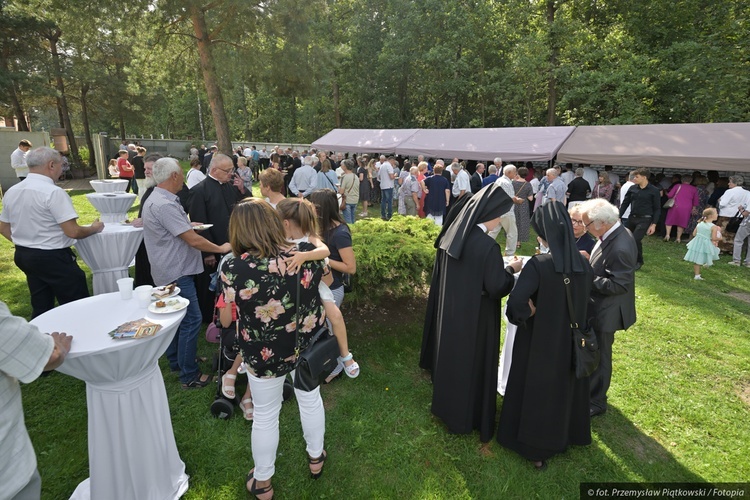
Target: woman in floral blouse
255	278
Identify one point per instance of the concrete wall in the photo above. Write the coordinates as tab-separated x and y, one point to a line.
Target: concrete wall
9	140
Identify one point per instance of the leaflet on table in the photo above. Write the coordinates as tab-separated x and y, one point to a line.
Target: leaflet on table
136	329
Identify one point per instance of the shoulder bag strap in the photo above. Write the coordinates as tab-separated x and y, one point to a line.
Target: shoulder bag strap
569	298
330	181
296	319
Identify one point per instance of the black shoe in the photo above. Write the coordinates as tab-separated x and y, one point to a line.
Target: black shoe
594	411
202	380
638	265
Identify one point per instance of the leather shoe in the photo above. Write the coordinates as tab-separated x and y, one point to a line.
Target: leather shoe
594	411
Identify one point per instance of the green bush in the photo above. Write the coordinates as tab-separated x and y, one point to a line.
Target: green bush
394	258
83	152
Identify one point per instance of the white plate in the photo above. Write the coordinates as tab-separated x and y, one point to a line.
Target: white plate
176	292
173	305
202	227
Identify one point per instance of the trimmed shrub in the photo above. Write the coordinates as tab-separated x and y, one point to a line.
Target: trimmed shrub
394	258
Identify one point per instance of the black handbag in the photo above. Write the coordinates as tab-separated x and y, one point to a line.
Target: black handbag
320	357
585	346
734	223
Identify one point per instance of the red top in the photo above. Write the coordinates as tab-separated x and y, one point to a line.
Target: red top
125	168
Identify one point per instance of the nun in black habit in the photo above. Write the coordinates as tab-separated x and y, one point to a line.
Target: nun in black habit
460	342
546	408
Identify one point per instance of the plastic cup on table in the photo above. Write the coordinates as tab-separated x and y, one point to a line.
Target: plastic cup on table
143	295
126	288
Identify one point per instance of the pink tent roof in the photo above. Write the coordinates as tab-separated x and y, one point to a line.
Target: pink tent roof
511	144
362	140
695	146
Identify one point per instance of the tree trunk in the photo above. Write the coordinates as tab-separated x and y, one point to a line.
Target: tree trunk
23	125
85	119
53	38
554	50
336	104
213	91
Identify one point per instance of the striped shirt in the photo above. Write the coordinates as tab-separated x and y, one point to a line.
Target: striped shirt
164	220
24	351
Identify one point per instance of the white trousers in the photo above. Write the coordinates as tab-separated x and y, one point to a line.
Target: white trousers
437	219
508	223
268	394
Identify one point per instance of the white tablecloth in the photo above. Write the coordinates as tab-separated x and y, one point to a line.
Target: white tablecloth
132	450
113	207
109	185
109	253
506	355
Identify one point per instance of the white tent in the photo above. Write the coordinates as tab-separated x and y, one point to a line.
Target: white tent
511	144
360	140
695	146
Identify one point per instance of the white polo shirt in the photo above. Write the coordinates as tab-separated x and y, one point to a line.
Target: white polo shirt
384	175
35	208
462	183
18	162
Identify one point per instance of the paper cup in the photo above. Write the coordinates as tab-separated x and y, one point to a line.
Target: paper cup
126	288
143	295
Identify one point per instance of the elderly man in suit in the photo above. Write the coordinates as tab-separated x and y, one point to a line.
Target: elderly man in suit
613	292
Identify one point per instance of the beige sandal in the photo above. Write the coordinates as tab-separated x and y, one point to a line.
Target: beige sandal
246	405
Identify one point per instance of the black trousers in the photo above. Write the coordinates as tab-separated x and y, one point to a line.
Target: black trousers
51	274
600	379
638	226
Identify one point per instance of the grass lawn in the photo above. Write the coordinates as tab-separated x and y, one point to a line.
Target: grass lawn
678	405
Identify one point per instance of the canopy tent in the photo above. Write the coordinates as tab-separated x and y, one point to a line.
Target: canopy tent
511	144
363	140
695	146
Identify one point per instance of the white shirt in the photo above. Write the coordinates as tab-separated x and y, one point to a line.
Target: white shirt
24	352
304	180
18	162
507	185
384	175
731	200
591	177
623	192
35	208
567	176
247	152
194	177
534	185
462	183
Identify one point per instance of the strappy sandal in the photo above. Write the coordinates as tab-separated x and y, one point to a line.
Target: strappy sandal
352	371
264	493
202	380
226	388
246	405
321	460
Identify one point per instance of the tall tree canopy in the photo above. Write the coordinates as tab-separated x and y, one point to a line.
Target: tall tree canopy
290	70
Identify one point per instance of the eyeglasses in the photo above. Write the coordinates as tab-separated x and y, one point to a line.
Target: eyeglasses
577	222
226	171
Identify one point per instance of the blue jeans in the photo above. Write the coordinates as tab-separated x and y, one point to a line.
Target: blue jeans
349	213
386	203
184	347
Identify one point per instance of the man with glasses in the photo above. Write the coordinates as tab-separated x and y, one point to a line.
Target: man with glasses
212	202
39	218
612	306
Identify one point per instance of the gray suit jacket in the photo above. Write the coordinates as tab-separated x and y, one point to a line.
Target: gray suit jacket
613	291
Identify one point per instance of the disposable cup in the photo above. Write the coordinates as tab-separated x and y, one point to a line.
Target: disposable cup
126	288
143	295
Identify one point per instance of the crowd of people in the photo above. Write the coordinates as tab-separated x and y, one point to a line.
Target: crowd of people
590	228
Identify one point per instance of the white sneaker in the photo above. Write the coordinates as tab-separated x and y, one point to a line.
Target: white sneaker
698	277
734	263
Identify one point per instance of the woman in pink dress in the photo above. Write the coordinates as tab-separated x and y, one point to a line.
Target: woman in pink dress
686	200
